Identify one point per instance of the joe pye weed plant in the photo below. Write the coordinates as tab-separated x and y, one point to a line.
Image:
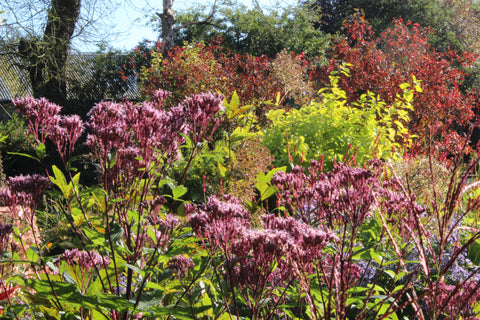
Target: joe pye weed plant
132	253
345	243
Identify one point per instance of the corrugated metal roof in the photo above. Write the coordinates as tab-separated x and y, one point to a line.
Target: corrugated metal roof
81	71
15	83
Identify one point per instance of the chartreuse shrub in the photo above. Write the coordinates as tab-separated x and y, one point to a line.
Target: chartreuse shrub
350	243
330	127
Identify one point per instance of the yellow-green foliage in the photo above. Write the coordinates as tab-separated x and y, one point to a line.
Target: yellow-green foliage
331	125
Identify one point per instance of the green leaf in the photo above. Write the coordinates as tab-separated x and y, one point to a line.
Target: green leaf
179	191
32	254
26	155
240	133
96	237
133	268
41	151
474	252
60	181
222	170
111	159
368	254
68	278
115	234
263	182
178	312
94	287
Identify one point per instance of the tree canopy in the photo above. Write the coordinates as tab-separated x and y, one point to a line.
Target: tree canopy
254	30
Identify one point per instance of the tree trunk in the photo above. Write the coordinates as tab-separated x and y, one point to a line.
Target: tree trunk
48	56
168	24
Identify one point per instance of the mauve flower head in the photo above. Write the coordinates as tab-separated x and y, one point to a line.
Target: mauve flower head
221	222
344	195
24	190
168	224
227	208
65	134
198	221
154	206
40	114
256	251
401	210
148	124
108	127
138	135
309	240
180	265
85	259
200	110
8	198
189	208
178	121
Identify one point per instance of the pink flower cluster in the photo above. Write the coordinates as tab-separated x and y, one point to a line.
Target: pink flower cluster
41	115
44	120
251	253
200	110
221	221
344	195
139	136
163	228
5	231
180	265
85	259
24	191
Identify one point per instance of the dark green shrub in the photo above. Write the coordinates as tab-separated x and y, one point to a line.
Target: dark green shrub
16	142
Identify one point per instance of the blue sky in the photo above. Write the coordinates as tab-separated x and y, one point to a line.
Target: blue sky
129	22
120	24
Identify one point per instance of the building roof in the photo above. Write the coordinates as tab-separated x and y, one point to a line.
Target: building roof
81	74
14	81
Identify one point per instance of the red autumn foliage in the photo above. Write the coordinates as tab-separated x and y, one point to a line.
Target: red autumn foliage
196	68
4	295
380	64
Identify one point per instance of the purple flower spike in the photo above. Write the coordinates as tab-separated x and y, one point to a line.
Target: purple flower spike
5	231
108	126
159	97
